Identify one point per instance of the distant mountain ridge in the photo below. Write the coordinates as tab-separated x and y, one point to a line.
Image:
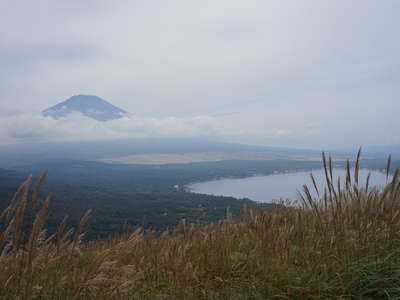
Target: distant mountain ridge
89	105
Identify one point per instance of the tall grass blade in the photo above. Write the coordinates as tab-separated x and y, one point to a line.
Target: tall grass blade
36	192
388	165
357	167
315	184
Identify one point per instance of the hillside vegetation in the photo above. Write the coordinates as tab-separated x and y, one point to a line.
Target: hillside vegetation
139	194
343	245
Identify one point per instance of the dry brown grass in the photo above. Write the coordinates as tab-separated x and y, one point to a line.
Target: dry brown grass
343	245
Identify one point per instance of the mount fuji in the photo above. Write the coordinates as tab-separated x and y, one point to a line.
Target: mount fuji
89	105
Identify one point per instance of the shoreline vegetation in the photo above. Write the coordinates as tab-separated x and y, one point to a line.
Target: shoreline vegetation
343	245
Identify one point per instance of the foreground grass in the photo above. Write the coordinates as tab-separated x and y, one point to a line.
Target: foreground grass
344	245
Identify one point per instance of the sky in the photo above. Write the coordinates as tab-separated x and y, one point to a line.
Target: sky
304	73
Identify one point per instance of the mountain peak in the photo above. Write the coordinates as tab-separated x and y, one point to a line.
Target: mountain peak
89	105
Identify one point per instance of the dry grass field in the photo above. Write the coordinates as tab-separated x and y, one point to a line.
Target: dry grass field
179	158
343	245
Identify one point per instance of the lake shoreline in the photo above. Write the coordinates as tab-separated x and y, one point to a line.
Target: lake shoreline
274	186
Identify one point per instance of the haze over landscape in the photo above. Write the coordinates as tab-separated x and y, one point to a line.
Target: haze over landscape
172	149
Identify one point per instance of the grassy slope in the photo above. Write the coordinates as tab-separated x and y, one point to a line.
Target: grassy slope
346	246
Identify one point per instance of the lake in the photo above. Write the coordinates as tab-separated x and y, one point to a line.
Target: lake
276	186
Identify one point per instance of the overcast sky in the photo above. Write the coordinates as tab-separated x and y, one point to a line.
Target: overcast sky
301	73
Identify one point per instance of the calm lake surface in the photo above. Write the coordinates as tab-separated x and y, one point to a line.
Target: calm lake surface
276	186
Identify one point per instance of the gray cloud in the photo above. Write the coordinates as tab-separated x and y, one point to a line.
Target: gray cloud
36	128
294	73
